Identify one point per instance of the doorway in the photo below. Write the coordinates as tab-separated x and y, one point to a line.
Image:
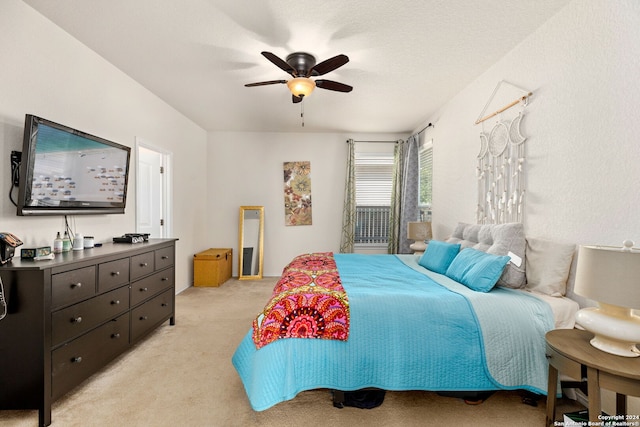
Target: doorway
153	190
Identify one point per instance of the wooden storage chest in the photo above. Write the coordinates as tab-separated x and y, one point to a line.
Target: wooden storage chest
212	267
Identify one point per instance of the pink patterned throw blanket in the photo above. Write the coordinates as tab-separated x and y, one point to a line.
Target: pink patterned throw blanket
307	302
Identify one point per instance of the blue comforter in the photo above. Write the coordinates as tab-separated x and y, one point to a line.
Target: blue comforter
411	329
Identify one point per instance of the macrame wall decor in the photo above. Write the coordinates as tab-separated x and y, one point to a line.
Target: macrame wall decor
501	160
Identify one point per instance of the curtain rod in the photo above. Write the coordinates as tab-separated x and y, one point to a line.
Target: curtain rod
417	133
387	142
430	125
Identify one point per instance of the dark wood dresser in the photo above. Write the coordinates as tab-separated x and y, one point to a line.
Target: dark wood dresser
68	317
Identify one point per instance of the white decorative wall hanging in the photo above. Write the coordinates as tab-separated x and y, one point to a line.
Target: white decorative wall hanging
501	161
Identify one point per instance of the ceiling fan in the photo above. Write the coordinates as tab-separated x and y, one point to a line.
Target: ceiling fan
302	66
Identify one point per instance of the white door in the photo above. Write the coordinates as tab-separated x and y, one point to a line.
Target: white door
151	192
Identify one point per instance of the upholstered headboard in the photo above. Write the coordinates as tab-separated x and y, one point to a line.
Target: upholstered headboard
497	239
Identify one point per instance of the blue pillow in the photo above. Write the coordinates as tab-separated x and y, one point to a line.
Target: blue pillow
477	270
439	255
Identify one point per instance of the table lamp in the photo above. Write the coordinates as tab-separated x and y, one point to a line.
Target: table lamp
420	232
611	276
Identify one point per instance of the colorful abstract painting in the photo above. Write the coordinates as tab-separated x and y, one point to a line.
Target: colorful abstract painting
297	193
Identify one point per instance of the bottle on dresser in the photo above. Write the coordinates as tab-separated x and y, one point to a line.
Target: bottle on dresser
57	244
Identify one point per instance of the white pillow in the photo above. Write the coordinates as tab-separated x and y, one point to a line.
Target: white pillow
548	265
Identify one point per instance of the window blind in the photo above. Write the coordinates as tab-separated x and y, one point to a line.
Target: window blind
374	176
426	174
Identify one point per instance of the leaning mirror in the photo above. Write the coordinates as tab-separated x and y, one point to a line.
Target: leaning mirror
250	242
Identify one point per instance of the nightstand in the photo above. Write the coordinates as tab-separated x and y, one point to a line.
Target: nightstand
569	351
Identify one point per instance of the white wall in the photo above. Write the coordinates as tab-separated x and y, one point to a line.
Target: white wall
583	155
246	169
45	71
581	122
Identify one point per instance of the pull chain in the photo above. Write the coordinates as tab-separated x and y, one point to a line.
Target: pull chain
302	112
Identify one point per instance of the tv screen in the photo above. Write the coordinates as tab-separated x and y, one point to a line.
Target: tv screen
68	172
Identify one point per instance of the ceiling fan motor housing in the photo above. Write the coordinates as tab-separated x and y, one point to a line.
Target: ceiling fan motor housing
302	62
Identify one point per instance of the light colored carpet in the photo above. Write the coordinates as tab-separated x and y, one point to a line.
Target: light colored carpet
182	376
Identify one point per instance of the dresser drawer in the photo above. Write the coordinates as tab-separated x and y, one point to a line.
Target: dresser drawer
113	274
164	258
564	364
142	264
73	286
149	314
77	360
149	286
75	320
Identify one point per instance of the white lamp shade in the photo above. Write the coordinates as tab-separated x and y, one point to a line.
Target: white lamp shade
419	231
609	275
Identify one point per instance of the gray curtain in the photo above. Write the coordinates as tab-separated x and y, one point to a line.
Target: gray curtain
404	194
349	210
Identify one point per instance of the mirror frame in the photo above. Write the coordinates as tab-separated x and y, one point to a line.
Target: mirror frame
243	209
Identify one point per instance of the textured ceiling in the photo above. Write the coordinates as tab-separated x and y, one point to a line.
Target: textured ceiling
407	57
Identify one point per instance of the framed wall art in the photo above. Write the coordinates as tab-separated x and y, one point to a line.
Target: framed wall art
297	193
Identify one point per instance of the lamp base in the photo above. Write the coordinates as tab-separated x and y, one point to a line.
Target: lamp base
615	328
615	347
418	247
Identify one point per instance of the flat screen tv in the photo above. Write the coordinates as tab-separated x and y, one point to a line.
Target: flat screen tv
68	172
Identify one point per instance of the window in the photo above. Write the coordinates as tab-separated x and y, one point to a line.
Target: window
426	180
374	177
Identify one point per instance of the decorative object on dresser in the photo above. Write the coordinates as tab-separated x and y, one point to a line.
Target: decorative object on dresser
212	267
35	253
70	316
131	238
611	276
420	232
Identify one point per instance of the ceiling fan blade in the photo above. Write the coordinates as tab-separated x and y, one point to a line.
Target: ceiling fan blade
270	82
296	99
280	63
331	85
329	65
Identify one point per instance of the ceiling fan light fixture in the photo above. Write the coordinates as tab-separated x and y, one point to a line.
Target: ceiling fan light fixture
301	86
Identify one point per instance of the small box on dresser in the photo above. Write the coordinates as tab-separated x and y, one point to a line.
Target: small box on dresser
212	267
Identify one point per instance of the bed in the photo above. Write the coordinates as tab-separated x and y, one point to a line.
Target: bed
394	324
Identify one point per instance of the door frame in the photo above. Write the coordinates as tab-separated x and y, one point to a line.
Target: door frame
165	182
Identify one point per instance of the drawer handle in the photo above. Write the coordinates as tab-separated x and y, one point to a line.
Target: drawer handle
76	319
144	289
548	356
115	302
76	359
144	264
116	335
76	285
115	273
164	279
164	304
143	317
164	257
